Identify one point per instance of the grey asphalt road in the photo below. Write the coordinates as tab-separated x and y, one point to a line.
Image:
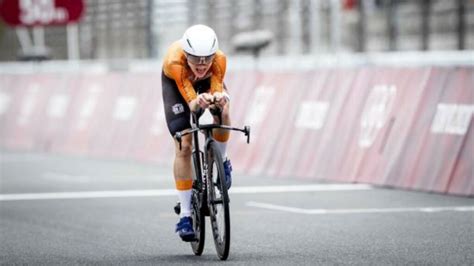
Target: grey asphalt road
70	210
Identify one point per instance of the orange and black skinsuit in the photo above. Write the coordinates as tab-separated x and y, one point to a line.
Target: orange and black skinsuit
180	87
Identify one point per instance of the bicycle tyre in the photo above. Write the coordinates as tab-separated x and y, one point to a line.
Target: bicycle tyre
219	202
199	224
197	212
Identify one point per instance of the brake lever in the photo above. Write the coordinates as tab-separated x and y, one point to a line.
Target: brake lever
247	133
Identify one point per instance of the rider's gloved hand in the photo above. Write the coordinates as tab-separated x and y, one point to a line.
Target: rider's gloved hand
204	100
201	102
220	98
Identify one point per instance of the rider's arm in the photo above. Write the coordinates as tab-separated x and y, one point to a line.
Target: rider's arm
217	79
218	72
176	71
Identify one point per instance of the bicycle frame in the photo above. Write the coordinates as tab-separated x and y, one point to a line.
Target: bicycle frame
197	153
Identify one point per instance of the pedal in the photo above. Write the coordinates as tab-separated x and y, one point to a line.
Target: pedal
190	239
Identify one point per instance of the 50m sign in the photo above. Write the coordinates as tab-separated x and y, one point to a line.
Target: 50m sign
40	12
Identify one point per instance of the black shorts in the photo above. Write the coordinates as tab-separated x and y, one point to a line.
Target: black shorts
177	111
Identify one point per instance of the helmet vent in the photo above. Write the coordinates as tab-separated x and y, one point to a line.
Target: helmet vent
190	43
214	43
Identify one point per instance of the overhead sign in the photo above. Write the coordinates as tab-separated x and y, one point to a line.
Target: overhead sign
40	12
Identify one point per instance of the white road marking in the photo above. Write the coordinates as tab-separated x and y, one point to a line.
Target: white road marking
299	188
356	211
172	192
88	195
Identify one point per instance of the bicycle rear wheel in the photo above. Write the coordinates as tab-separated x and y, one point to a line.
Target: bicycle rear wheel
219	202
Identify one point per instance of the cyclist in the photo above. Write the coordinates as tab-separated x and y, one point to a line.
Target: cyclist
193	79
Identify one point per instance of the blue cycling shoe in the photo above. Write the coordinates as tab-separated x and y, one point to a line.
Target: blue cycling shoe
228	171
184	228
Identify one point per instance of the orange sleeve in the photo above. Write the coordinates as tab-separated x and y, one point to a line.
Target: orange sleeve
218	72
174	68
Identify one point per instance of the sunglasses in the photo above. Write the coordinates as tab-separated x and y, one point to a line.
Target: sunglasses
197	60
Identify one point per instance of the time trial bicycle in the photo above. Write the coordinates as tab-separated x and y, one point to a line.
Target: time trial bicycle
209	193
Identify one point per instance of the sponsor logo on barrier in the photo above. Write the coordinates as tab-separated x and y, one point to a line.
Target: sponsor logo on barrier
124	108
5	100
28	105
57	106
312	115
452	119
378	106
89	106
260	105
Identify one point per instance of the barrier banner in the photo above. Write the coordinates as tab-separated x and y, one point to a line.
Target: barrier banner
354	133
388	113
334	96
268	117
29	95
56	113
448	126
307	116
151	140
404	127
461	180
242	87
9	99
401	174
91	111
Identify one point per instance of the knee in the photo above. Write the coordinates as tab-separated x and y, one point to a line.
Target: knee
185	151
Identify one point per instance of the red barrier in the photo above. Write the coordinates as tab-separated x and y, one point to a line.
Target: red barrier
8	103
56	113
336	92
443	144
348	153
242	91
295	151
400	93
287	149
461	180
400	127
91	108
151	140
412	152
27	111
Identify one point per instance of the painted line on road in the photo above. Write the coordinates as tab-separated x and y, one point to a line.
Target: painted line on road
172	192
356	211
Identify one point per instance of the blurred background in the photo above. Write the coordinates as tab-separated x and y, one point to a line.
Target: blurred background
389	79
142	29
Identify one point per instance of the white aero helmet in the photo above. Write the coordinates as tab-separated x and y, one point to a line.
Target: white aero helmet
200	40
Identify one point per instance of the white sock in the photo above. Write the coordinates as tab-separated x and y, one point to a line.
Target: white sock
185	200
223	149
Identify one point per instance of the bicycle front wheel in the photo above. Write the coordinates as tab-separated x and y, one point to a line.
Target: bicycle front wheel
199	223
198	202
218	201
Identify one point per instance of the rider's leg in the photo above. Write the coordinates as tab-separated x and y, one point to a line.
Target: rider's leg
177	118
183	174
222	135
